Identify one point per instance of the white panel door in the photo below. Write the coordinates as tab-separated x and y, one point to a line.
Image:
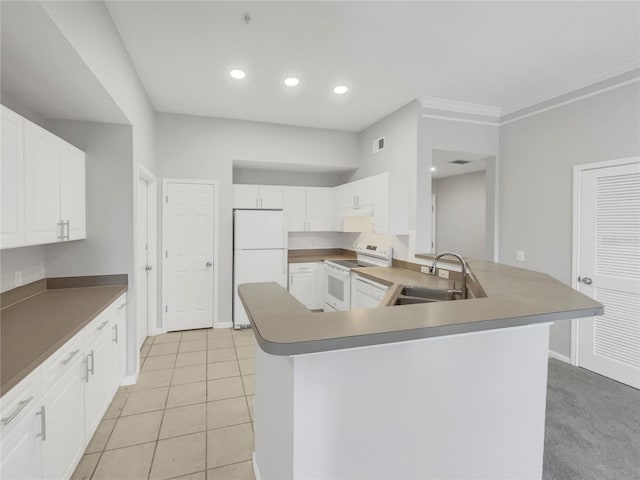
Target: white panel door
188	243
258	229
64	420
42	186
295	202
271	196
246	196
12	178
319	209
253	266
142	215
72	192
609	270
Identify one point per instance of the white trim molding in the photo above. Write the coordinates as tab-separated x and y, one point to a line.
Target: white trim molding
461	107
561	357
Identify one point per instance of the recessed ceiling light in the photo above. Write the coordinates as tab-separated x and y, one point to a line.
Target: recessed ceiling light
237	74
340	89
291	81
433	169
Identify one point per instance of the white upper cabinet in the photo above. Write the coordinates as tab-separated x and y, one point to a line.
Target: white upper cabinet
258	196
295	206
319	209
391	204
43	185
309	209
12	178
72	192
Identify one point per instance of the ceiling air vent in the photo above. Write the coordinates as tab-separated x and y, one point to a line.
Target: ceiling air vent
377	145
460	162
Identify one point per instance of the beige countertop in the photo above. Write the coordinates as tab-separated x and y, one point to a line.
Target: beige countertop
33	329
514	297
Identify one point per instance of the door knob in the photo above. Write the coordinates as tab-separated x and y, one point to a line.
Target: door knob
585	280
209	264
148	268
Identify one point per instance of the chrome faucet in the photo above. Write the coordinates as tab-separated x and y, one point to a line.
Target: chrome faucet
465	268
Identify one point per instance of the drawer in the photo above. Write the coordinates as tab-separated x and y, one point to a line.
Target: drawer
303	267
62	360
18	402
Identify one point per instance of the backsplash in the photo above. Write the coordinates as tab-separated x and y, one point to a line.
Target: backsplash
308	240
29	261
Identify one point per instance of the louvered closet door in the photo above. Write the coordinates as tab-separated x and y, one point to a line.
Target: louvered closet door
609	228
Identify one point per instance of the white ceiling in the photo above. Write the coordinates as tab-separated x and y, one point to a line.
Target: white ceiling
43	73
506	54
441	160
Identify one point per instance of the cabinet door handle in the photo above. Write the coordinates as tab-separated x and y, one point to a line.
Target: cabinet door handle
19	408
71	355
68	229
85	375
60	231
102	325
115	331
91	370
43	423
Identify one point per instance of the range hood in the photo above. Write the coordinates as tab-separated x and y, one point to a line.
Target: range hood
358	223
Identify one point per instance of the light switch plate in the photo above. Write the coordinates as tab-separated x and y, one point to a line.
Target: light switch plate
425	269
520	255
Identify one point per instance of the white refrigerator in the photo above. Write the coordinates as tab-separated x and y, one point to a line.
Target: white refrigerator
259	253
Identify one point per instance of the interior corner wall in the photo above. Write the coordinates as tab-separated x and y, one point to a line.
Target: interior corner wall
537	156
460	213
459	136
109	246
191	147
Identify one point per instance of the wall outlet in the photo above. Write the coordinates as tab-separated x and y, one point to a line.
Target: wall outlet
520	255
425	269
17	276
443	273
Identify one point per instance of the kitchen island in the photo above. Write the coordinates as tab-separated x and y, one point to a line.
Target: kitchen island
452	389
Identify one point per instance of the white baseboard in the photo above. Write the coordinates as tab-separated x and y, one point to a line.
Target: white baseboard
223	325
130	380
559	356
256	472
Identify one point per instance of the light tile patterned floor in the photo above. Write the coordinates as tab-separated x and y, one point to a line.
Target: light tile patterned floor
190	416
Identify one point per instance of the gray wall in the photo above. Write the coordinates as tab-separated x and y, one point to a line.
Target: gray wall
460	213
537	155
205	148
108	247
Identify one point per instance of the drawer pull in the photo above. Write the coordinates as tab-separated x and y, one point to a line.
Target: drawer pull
21	405
71	355
122	306
115	331
104	324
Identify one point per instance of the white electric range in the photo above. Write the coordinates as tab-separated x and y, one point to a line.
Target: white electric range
337	291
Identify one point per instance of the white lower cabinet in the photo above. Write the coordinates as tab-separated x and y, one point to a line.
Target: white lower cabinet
49	418
97	388
303	284
63	419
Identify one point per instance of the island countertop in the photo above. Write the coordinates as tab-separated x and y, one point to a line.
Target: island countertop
514	297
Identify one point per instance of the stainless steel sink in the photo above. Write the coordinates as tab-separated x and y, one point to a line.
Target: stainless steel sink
412	300
434	294
412	295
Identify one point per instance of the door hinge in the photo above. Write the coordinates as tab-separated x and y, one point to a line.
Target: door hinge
166	254
166	199
166	308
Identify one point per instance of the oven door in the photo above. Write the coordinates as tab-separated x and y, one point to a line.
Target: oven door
337	291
